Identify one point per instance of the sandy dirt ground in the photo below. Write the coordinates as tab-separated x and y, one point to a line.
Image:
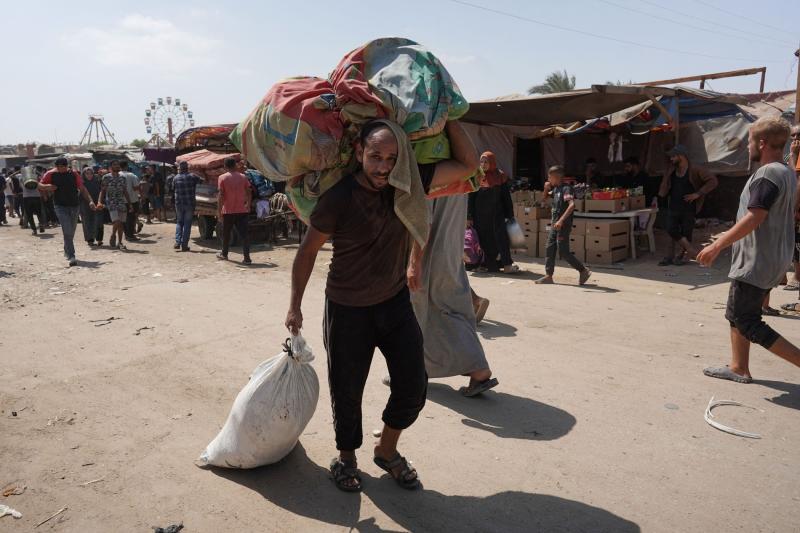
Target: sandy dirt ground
597	424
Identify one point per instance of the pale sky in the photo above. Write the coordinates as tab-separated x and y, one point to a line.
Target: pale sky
65	60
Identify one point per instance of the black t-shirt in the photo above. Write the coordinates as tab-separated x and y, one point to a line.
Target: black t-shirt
67	193
681	186
370	244
632	181
763	194
93	186
562	196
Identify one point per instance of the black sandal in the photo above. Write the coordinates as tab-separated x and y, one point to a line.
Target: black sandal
344	470
408	476
478	387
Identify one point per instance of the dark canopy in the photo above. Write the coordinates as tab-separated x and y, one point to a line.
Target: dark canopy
574	106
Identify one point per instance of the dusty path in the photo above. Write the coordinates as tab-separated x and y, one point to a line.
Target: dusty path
597	424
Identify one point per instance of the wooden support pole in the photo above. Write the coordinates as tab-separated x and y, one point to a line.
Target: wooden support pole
711	76
797	90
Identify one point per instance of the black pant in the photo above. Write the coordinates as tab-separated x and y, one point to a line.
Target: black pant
680	224
558	240
239	221
33	206
131	219
743	312
351	335
50	211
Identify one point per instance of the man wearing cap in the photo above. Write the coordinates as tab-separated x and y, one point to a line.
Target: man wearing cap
184	186
684	186
66	187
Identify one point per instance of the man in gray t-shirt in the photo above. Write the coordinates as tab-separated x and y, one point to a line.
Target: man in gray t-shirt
762	240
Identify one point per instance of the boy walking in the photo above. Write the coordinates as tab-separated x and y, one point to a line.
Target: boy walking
763	241
561	226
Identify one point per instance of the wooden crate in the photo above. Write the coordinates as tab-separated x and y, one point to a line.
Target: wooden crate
606	206
607	257
636	202
607	228
595	243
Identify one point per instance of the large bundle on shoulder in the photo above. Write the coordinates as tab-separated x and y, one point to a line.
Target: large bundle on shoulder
304	129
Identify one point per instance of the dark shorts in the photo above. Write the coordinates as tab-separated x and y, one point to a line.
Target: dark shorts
680	224
744	313
156	202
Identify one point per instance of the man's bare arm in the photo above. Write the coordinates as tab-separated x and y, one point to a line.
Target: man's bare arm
748	223
463	157
301	272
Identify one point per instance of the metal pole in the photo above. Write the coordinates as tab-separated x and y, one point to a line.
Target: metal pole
763	76
169	131
797	91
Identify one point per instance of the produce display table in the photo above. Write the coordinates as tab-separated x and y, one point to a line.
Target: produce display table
631	216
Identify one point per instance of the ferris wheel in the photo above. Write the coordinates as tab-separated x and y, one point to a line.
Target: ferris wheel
166	118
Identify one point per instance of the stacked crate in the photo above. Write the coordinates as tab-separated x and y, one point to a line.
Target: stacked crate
607	241
577	239
531	216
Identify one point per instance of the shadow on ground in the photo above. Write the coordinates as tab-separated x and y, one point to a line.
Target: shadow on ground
492	329
505	415
90	264
791	393
302	487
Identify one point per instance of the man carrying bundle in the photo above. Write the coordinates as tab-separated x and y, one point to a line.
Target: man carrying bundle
372	217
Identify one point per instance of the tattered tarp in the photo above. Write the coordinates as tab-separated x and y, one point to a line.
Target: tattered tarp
160	155
104	156
588	104
209	137
546	110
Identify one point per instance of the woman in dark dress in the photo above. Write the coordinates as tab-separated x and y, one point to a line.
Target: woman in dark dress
489	208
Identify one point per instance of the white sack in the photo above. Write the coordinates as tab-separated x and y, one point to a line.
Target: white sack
270	413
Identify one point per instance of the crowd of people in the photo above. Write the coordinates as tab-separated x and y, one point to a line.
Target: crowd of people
100	195
397	280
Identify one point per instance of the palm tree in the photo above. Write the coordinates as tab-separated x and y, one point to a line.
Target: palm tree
555	82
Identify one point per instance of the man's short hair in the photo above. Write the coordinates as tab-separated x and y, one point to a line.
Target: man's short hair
591	160
772	130
230	162
558	170
61	162
123	165
113	162
368	129
632	160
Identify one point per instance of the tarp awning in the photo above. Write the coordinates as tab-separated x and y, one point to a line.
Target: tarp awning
586	104
209	137
545	110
